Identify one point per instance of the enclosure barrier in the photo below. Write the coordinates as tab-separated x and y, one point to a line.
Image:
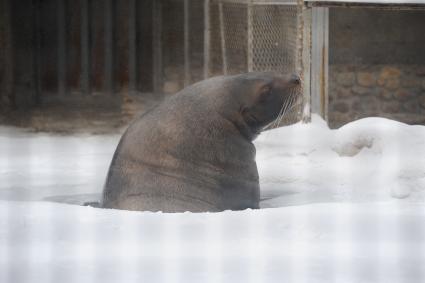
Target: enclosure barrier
248	36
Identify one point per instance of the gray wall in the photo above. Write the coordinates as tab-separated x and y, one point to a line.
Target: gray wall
370	36
377	65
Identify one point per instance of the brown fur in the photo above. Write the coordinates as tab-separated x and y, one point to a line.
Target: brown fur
194	151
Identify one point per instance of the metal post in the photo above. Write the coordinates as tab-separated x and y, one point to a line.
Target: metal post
132	59
61	47
186	43
157	46
305	59
207	39
108	81
222	37
250	61
319	61
85	47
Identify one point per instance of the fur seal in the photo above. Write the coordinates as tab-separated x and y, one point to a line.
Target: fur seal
194	151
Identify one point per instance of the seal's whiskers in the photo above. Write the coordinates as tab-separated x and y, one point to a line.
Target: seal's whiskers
271	125
285	109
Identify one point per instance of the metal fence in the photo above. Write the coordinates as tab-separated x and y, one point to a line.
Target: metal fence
247	35
76	49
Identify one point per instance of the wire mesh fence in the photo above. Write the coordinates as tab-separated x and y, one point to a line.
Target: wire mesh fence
251	36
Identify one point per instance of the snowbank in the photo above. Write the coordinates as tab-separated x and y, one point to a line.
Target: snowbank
42	241
345	205
371	159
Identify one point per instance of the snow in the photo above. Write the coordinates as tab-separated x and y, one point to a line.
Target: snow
372	159
343	205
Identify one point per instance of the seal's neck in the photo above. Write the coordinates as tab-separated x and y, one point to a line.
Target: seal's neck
243	128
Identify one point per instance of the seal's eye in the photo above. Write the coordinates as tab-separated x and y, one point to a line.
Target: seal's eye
265	93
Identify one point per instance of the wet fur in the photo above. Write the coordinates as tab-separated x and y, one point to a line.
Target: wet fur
193	152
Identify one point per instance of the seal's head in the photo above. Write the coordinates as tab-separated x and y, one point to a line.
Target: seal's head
263	98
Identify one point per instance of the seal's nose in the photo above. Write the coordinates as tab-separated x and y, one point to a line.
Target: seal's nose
295	79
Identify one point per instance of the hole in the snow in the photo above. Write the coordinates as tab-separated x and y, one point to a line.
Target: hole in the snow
353	148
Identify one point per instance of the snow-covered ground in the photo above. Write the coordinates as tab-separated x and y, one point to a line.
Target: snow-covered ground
344	205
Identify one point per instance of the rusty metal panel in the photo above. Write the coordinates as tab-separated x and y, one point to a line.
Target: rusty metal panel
157	46
62	47
73	40
49	54
207	39
108	79
97	44
85	83
186	12
131	30
36	55
81	47
7	69
260	2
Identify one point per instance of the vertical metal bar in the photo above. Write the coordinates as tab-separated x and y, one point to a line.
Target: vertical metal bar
132	59
186	43
306	62
157	46
108	80
319	61
222	37
250	61
207	39
300	37
61	47
85	47
36	52
325	64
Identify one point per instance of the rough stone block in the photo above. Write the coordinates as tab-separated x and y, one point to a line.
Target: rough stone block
421	100
342	107
343	92
337	119
345	78
403	94
361	90
412	106
389	72
370	104
393	83
389	77
420	71
410	81
366	79
391	106
384	93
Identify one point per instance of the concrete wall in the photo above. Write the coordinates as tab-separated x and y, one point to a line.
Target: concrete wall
377	65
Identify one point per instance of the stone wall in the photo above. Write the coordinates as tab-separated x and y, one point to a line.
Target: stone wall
376	65
391	91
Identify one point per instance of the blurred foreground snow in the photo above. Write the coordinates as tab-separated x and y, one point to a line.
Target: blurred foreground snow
345	205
